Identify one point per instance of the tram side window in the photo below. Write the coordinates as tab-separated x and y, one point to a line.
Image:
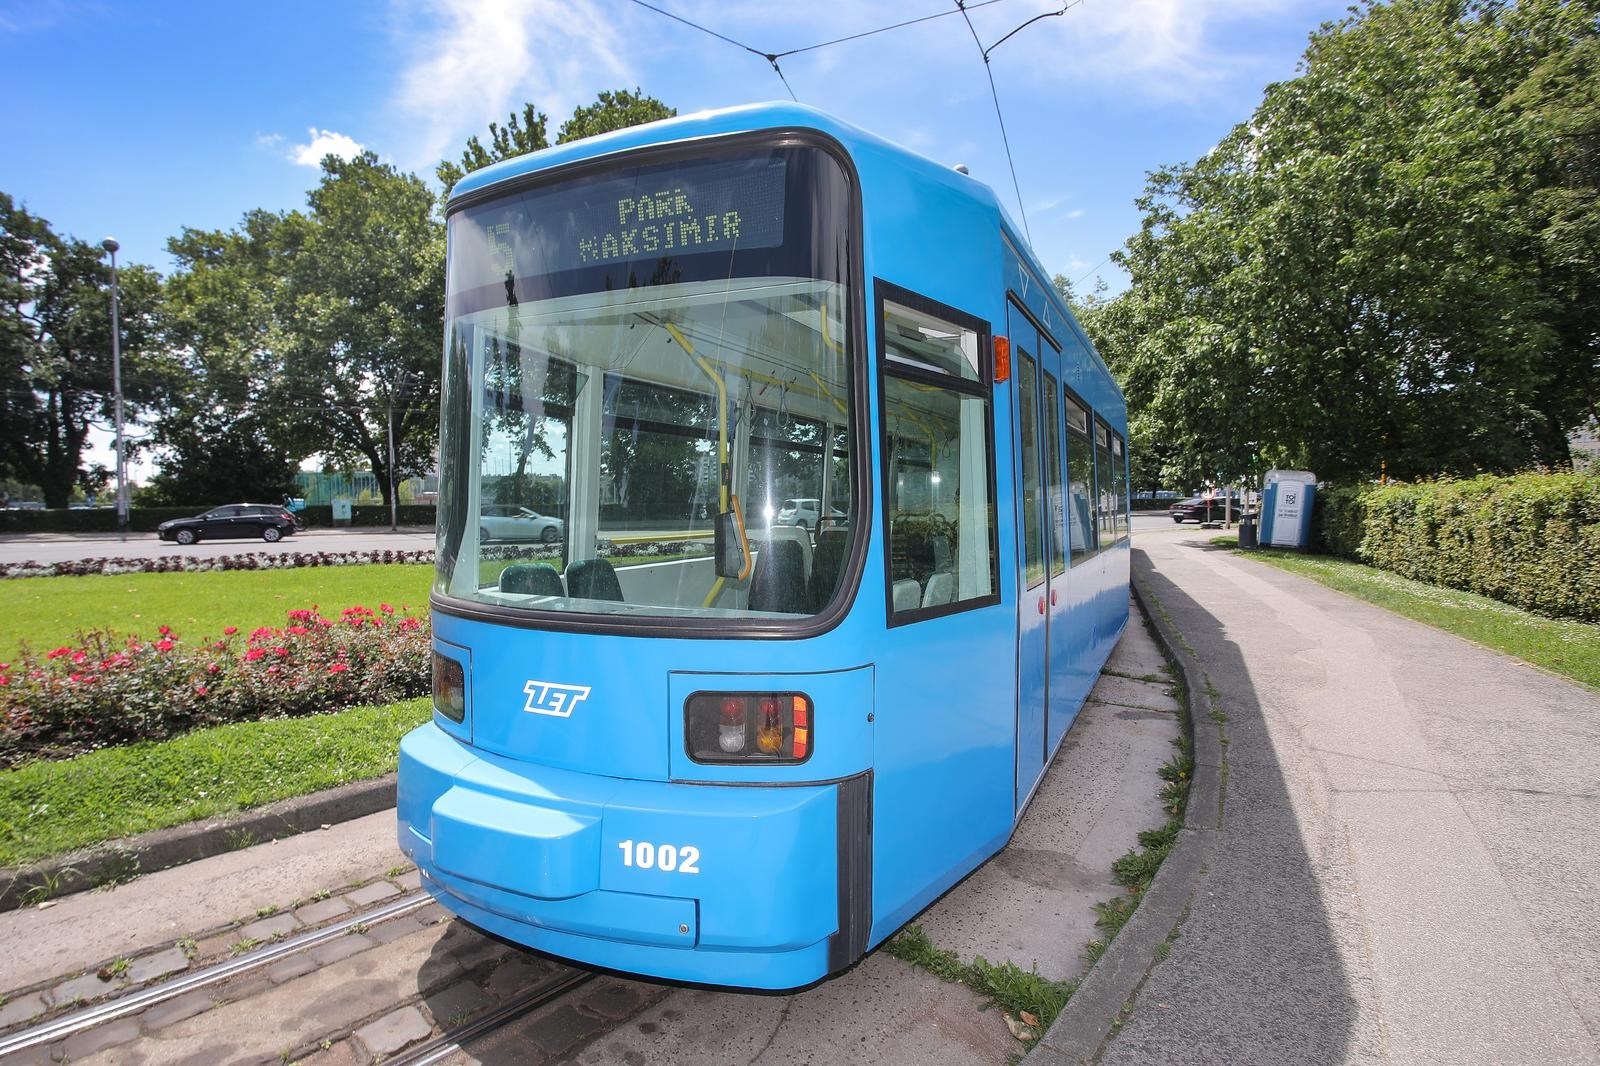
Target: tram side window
1028	406
1080	481
1119	479
1107	494
938	470
1052	477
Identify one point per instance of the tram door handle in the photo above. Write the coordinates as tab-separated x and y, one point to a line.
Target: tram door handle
1052	597
1041	605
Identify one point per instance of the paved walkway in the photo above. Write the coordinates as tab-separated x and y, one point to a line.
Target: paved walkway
1406	867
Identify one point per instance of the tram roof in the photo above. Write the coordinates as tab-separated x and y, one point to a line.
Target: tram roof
867	150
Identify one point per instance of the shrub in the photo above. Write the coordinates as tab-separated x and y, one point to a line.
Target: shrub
1532	540
171	564
104	690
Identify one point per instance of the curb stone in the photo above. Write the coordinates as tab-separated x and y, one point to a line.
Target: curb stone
160	849
1084	1025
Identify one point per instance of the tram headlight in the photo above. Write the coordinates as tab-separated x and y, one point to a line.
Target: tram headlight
748	727
449	687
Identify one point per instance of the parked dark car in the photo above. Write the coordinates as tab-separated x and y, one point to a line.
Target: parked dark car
1204	509
269	521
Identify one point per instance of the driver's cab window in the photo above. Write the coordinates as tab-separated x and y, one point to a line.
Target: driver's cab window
938	468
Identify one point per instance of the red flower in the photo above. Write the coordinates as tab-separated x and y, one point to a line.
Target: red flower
229	631
58	653
165	645
165	631
385	608
280	652
79	656
213	669
253	654
200	690
297	630
408	624
338	668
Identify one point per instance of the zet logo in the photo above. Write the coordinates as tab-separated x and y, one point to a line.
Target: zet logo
547	697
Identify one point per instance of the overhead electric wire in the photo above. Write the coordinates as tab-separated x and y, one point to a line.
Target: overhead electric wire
883	29
773	57
999	117
962	7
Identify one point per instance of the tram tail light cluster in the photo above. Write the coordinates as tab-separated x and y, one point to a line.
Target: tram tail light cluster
449	687
748	727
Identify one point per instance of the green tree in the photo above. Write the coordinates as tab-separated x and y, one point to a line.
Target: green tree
612	110
361	312
1373	269
55	349
220	436
518	136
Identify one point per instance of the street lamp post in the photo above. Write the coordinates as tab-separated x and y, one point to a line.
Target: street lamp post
110	245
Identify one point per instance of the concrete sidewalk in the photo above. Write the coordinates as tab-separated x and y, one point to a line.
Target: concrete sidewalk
1405	869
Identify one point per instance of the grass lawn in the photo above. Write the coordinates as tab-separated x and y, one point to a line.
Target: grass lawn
47	611
1571	649
47	808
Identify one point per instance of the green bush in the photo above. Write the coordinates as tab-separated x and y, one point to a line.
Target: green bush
1532	540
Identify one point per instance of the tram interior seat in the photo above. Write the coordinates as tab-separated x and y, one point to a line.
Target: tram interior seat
779	581
797	534
921	550
907	594
827	559
593	579
534	579
941	589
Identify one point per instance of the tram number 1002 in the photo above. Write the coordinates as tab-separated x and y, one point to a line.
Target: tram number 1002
647	856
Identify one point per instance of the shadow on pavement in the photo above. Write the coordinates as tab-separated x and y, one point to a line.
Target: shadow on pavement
1256	973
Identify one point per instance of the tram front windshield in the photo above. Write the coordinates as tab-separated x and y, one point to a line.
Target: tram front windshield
636	356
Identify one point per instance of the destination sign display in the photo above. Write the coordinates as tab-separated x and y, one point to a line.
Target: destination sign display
640	214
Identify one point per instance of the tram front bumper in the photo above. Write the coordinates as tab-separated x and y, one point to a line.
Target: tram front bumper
709	883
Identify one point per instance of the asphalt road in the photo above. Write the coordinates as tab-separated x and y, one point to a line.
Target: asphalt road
60	547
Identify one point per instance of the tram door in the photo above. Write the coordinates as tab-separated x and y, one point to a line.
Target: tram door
1036	366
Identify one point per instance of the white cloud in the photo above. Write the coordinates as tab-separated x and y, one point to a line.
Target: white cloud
324	143
470	62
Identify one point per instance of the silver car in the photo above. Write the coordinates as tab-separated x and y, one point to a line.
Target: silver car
500	522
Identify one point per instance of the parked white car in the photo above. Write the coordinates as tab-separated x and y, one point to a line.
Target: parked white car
500	522
803	513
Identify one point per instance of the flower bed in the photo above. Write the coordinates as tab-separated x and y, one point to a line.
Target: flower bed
172	564
105	690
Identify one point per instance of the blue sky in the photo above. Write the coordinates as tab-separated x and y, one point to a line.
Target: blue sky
136	119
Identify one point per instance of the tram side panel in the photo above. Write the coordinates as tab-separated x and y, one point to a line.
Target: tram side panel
945	686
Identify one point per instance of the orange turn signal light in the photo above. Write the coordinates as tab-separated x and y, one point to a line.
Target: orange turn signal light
1002	359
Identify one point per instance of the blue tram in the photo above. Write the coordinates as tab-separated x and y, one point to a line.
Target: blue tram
691	739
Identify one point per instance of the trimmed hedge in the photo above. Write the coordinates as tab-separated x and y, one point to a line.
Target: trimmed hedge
1532	541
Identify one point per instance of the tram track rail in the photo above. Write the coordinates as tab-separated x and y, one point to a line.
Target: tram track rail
86	1018
454	1041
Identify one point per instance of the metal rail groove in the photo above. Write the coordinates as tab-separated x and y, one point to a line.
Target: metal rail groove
89	1017
450	1043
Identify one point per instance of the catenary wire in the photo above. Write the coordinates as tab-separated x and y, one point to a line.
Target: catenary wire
999	117
883	29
